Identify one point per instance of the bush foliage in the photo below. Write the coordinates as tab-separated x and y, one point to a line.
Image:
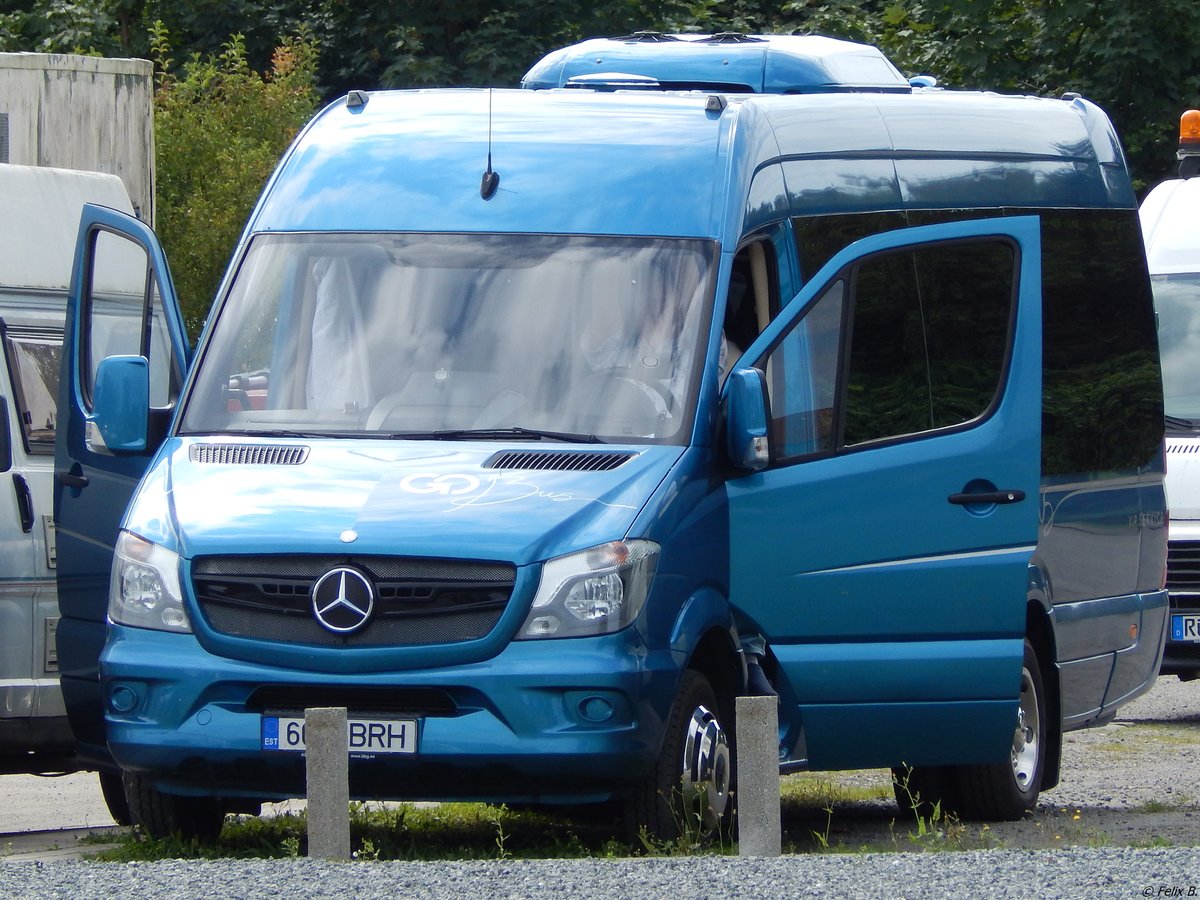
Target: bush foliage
219	129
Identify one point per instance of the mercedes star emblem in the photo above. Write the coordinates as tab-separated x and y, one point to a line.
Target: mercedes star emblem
343	600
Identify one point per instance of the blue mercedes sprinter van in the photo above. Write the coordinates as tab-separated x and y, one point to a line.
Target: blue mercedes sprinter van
534	426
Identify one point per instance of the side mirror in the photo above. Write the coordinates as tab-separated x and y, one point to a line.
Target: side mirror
746	419
121	405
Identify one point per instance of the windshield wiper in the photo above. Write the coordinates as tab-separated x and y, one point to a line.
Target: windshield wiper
288	433
1178	423
533	434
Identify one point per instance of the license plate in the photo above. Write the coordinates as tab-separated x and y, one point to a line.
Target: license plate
363	736
1185	627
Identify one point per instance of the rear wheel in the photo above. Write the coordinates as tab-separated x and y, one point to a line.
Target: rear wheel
1006	791
163	815
690	789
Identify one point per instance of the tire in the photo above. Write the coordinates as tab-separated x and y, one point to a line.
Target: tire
163	815
112	786
924	790
690	790
1006	791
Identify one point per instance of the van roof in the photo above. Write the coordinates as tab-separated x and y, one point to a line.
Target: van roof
41	221
671	164
1170	217
761	63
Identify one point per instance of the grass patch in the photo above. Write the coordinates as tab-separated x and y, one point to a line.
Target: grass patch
822	789
396	832
1160	806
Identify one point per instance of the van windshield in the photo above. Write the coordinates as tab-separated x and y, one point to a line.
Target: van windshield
447	336
1177	302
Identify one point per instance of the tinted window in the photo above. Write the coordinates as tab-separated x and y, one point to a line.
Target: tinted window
1102	400
929	340
1101	379
924	334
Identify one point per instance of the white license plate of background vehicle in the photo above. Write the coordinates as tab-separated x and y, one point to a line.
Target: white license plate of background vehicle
363	736
1185	627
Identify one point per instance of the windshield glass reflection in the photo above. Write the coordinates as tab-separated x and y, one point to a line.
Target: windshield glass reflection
423	335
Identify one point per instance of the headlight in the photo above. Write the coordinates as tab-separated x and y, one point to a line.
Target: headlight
144	591
592	592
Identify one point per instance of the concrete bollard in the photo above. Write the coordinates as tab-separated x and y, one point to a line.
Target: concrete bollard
327	770
759	831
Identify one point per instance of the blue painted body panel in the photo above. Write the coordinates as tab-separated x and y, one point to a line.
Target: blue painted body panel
409	493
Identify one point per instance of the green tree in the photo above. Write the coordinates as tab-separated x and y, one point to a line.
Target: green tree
1140	63
220	128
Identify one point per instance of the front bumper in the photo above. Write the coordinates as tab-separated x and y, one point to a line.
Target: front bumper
567	720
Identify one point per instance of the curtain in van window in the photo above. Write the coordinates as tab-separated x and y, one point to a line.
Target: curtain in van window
337	372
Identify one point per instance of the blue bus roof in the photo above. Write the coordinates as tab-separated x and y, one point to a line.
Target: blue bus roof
676	164
726	62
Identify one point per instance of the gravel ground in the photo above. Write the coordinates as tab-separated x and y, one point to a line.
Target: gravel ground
1125	822
1089	873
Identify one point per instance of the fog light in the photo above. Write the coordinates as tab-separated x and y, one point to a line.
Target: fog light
122	699
595	709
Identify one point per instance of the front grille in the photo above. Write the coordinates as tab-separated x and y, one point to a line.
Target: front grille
1183	567
419	602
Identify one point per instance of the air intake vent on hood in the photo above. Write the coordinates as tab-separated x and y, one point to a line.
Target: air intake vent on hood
247	454
1183	446
558	460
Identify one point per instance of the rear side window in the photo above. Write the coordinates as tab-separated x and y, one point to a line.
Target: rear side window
901	344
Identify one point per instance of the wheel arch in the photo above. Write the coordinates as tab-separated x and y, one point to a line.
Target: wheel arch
718	658
1039	630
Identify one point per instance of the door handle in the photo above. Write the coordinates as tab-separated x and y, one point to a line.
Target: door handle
24	502
987	497
70	479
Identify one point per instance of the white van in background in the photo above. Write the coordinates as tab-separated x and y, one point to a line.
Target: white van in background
1170	217
39	219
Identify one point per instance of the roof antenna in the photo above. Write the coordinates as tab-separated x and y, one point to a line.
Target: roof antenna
491	180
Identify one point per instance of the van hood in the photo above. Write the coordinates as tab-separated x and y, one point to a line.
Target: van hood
519	504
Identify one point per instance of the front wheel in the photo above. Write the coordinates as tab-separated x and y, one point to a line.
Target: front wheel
112	787
163	815
690	789
1006	791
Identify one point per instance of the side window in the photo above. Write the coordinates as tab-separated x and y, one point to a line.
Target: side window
753	298
123	316
900	343
802	375
33	358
